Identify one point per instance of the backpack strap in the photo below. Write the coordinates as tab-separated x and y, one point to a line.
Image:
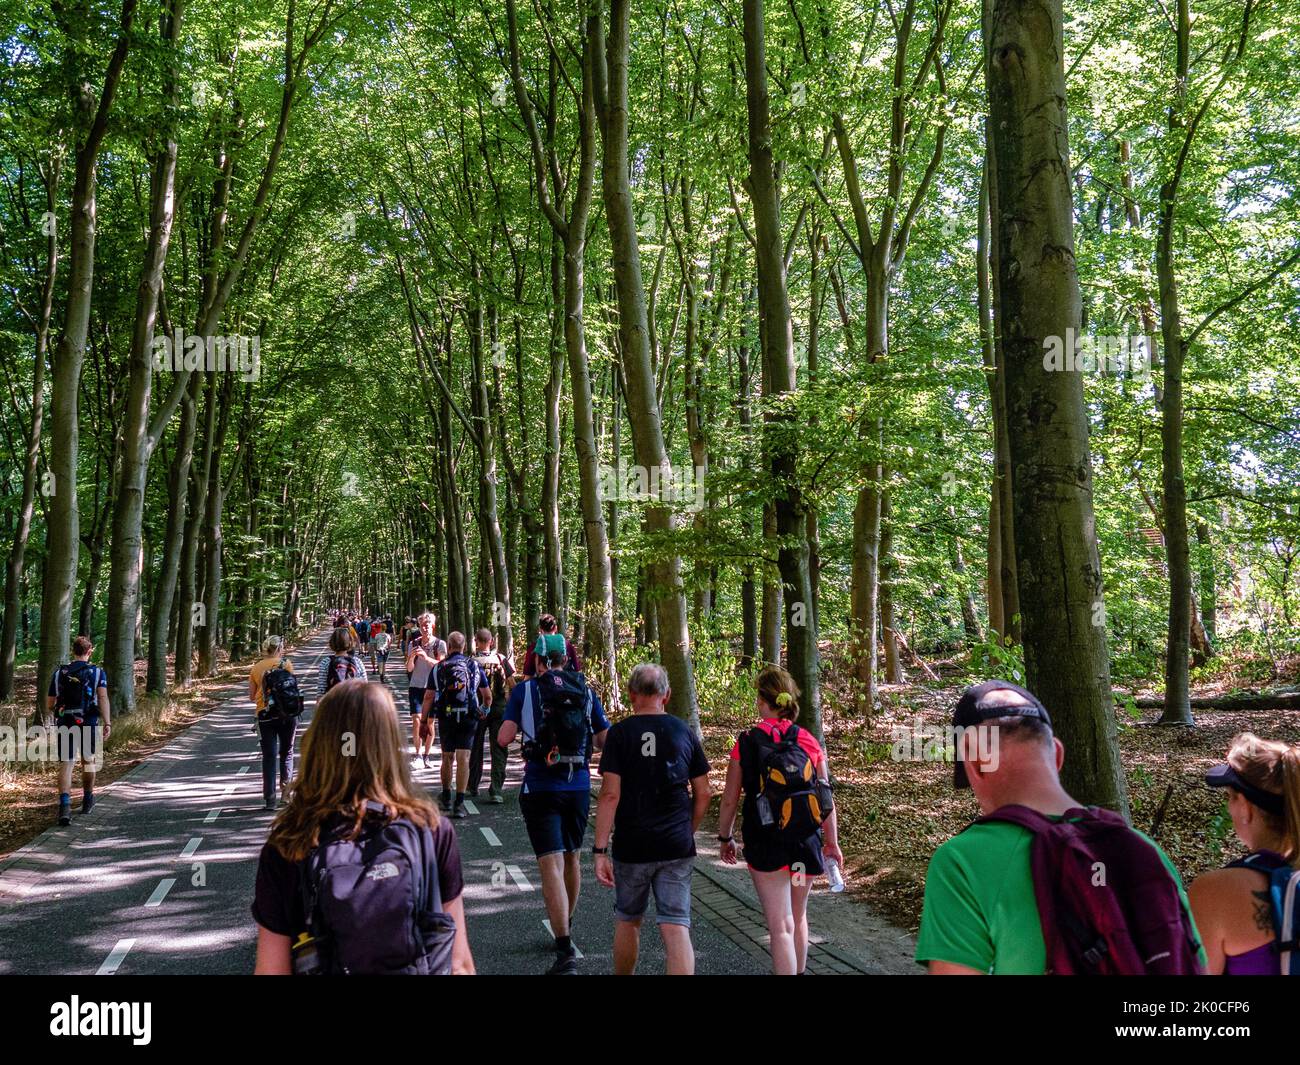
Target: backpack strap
528	712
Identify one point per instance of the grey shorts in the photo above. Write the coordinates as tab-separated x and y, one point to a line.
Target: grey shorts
670	882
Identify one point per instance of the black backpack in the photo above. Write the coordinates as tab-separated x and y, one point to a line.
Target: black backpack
282	697
565	725
75	690
339	669
788	798
374	906
454	684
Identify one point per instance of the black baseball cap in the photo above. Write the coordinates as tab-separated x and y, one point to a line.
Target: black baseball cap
977	705
1224	776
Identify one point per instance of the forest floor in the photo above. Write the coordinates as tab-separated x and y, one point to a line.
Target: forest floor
895	813
27	792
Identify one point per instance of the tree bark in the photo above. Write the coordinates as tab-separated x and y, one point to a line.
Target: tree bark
1059	568
611	93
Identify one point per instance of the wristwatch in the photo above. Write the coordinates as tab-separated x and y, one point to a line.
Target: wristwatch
599	850
725	839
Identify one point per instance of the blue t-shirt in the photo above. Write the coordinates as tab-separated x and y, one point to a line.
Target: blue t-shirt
96	678
538	776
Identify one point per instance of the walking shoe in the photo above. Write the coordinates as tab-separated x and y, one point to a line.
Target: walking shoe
65	811
271	803
459	812
564	965
444	802
496	798
87	801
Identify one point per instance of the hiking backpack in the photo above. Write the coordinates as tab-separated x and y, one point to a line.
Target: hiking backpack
75	689
281	694
788	797
374	906
565	719
1107	904
454	684
1284	904
340	668
495	672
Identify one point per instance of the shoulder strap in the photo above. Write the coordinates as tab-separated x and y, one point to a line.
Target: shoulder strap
1019	815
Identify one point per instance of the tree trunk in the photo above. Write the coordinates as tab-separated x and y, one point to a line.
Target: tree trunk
14	602
777	332
1058	566
634	333
63	530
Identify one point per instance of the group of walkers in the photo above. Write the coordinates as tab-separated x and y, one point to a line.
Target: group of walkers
654	794
362	871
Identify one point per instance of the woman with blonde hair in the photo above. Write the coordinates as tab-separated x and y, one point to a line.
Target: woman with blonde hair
1234	907
782	773
360	874
275	732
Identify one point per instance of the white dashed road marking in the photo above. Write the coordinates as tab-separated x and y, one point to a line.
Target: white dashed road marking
490	836
191	846
160	892
517	875
212	816
115	957
546	921
471	807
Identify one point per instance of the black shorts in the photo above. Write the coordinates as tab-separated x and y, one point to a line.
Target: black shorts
456	732
415	696
556	820
766	854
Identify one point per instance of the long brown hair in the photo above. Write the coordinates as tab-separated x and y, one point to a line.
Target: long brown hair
352	754
1273	767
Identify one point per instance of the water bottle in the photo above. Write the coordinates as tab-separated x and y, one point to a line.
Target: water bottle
834	875
306	957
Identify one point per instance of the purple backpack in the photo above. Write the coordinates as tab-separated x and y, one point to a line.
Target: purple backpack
1106	901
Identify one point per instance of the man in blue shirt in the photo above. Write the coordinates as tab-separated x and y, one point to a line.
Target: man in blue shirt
78	697
559	728
459	698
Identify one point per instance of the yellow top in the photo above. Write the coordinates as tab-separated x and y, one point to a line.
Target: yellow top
258	671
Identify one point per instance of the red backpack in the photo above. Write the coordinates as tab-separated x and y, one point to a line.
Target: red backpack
1107	903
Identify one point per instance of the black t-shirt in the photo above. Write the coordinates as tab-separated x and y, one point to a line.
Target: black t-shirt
654	756
277	896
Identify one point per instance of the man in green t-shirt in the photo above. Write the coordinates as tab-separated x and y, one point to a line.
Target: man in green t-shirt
980	913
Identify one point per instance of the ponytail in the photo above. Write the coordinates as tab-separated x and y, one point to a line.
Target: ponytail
1291	803
1275	768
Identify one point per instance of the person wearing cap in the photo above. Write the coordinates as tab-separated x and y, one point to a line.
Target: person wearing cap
1232	905
980	913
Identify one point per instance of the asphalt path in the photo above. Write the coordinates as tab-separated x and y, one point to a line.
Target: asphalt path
158	878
